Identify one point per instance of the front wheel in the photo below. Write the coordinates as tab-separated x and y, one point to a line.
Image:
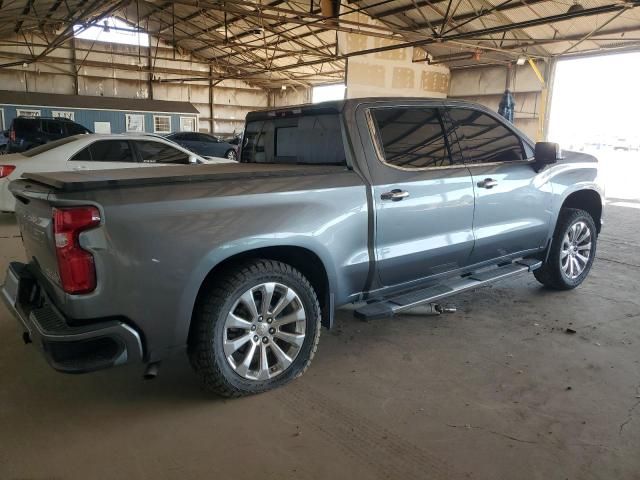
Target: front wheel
256	327
231	155
573	250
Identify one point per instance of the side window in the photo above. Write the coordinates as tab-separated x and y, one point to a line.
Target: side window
111	151
53	127
484	139
158	152
412	137
75	129
83	155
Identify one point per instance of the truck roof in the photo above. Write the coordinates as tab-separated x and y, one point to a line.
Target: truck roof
337	106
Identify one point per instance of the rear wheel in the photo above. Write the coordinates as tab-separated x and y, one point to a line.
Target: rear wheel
572	252
256	328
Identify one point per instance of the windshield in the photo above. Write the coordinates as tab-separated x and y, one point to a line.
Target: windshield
308	139
48	146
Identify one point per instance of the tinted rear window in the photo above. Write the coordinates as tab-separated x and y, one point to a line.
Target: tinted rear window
26	125
308	139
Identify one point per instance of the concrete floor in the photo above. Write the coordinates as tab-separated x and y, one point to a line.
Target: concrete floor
496	391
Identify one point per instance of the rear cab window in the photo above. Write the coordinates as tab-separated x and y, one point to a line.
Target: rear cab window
294	137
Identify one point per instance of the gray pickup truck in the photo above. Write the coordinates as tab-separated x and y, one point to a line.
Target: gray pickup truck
389	203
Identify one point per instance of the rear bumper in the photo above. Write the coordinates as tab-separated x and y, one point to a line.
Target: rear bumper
67	348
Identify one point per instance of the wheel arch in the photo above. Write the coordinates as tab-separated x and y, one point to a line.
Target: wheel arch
588	200
308	262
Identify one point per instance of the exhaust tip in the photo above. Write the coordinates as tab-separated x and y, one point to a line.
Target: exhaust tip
151	371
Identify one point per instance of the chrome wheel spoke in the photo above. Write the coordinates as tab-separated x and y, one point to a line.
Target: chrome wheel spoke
291	338
263	373
234	321
586	246
248	301
267	290
243	368
296	316
284	301
283	359
582	260
232	346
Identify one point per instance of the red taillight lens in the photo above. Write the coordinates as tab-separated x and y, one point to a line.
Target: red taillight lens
5	170
12	135
75	265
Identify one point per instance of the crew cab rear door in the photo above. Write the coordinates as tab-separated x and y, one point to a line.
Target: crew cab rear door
512	201
422	195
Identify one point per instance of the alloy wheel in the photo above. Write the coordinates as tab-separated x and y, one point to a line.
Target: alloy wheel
576	249
264	331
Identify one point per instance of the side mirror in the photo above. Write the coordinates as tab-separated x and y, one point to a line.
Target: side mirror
546	153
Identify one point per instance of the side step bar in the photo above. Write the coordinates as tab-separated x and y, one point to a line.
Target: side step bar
387	307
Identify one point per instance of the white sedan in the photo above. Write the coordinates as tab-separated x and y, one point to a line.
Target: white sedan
93	152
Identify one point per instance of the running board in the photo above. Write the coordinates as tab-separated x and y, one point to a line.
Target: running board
387	307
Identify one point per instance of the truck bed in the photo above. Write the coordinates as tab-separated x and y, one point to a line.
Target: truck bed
77	181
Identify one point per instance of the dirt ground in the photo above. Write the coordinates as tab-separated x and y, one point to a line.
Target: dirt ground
498	390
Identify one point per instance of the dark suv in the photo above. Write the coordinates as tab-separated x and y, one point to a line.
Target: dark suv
29	132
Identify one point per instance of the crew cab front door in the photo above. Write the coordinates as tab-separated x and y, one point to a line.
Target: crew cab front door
423	197
512	201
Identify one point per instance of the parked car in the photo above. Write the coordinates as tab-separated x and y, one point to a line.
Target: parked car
621	144
93	152
28	132
396	202
205	145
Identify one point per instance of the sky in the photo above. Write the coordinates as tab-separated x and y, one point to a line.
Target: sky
124	33
324	93
596	98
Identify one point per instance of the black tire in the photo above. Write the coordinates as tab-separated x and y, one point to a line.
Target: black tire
231	155
206	347
551	274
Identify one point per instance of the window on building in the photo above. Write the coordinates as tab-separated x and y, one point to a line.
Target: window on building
162	124
22	112
483	139
412	137
63	114
135	123
187	124
112	30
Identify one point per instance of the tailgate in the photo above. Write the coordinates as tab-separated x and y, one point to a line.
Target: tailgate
34	216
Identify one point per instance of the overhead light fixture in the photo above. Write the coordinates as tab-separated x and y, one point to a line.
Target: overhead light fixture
576	7
255	31
283	87
521	60
106	27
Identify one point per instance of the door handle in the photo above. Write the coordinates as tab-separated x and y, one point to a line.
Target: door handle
394	195
488	183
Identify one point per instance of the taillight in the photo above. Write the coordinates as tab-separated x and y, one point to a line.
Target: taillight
12	135
75	265
5	170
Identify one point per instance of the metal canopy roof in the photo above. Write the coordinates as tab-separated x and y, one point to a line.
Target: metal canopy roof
272	42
